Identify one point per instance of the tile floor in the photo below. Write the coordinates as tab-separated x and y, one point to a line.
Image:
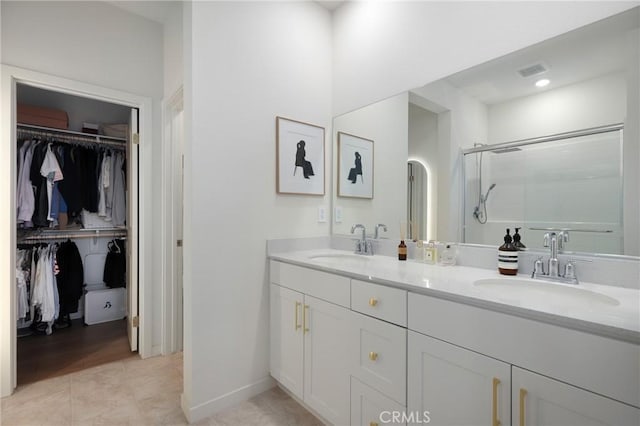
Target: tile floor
136	392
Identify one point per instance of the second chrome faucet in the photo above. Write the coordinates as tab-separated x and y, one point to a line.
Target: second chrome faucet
555	242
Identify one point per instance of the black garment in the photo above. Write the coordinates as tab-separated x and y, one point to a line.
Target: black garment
70	278
39	182
115	265
69	187
87	162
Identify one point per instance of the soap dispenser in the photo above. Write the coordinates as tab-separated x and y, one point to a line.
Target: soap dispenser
508	257
516	240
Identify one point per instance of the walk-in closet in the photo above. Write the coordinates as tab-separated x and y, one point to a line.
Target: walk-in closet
76	205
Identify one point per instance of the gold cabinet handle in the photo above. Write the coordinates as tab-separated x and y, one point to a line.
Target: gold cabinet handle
296	323
373	356
494	409
304	318
373	301
523	395
373	423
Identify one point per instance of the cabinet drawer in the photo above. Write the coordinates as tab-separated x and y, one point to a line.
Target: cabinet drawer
370	407
387	303
325	286
378	352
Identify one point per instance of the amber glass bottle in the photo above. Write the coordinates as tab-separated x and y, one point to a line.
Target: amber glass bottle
402	251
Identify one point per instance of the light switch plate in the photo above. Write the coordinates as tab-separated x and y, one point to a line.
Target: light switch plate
338	214
322	214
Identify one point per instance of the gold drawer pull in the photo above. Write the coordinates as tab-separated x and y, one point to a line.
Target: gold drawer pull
494	408
373	301
373	356
523	395
373	423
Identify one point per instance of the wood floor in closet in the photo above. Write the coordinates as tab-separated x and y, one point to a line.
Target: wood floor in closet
71	349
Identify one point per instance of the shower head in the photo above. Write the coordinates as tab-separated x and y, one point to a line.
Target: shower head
493	185
504	150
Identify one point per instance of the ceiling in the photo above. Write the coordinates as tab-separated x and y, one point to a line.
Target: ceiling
160	10
594	50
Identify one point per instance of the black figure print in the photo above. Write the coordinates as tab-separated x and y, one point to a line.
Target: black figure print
357	170
307	168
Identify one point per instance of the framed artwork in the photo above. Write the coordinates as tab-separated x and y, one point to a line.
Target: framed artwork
355	166
299	157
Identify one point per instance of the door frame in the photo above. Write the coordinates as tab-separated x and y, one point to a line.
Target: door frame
172	154
10	76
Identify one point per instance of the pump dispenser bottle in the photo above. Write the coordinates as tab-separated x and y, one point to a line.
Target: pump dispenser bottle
516	240
508	257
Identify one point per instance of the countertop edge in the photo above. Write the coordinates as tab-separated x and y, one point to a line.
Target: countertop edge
589	327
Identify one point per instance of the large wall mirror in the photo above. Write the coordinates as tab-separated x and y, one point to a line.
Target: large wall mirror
547	137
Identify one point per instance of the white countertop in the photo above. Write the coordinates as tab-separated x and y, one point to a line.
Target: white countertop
612	312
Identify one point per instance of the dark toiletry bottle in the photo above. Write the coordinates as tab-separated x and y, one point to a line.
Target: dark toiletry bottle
508	257
516	241
402	251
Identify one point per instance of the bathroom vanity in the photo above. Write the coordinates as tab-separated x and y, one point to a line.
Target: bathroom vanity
367	340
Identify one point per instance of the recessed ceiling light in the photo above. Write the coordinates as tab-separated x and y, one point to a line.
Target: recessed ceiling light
543	82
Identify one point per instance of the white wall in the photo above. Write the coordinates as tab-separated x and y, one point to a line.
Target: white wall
173	50
250	62
383	48
99	44
386	123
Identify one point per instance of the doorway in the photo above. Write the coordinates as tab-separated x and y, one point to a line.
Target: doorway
18	85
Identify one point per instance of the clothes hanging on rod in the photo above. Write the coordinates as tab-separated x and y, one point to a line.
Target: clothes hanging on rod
50	281
56	179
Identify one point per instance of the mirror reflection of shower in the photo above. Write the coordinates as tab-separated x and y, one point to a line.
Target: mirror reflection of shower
480	210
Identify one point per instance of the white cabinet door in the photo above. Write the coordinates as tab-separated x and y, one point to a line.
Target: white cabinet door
372	408
541	401
326	374
287	342
456	386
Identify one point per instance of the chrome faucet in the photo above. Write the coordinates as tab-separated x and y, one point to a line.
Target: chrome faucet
362	245
555	242
378	226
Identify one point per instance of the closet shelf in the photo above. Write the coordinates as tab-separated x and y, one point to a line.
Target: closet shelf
71	136
63	234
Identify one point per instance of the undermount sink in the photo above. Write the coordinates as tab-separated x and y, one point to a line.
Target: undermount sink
567	294
340	258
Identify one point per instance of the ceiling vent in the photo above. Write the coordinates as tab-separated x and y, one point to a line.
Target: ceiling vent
532	70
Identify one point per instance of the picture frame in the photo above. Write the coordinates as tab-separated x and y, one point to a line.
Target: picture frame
355	166
300	158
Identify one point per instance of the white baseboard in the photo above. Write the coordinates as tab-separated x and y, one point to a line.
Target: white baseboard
206	409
